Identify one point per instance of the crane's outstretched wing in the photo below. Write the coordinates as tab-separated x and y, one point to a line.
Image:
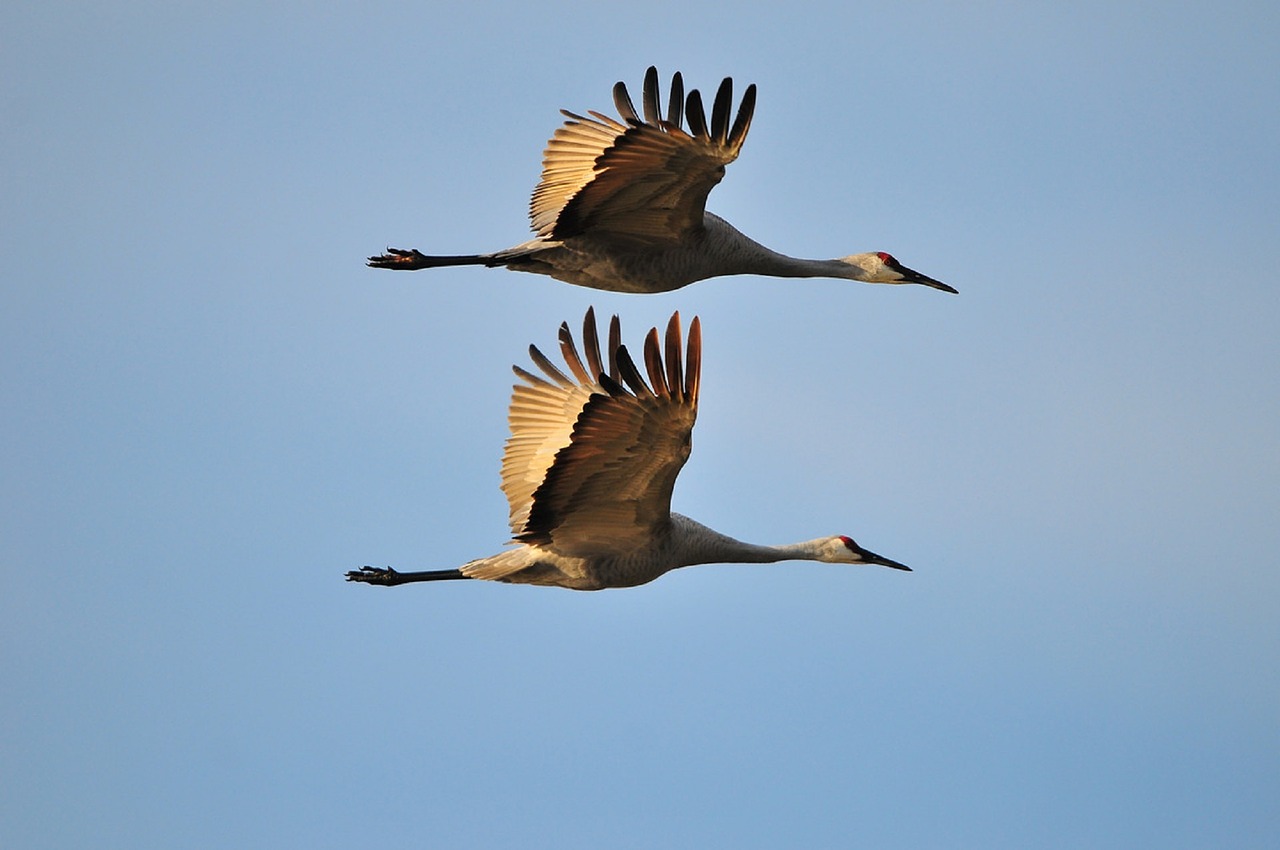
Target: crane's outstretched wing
592	459
643	181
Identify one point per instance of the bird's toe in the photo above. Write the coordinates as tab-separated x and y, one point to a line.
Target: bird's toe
373	575
396	258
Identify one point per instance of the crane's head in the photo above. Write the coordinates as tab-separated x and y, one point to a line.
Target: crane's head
880	267
843	550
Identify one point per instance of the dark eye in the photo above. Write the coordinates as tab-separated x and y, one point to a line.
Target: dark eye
887	259
848	541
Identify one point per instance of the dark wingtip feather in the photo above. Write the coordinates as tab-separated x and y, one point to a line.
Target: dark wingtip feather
653	364
743	122
570	354
720	111
548	367
530	378
675	106
612	387
696	115
675	380
591	343
631	375
693	362
615	342
622	101
651	96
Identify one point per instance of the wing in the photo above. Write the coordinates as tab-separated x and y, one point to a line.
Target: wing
591	461
643	181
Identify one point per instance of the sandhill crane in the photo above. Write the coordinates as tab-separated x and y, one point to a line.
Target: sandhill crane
589	468
621	204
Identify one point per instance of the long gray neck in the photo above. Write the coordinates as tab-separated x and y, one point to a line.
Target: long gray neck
744	255
780	265
697	544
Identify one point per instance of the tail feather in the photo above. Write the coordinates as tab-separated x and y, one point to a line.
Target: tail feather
503	566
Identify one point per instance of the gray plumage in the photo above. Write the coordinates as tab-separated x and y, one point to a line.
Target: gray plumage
621	204
590	466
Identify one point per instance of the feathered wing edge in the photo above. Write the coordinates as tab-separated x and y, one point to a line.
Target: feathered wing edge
607	469
661	173
718	132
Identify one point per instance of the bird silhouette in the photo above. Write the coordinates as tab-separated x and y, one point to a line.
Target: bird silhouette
589	469
621	204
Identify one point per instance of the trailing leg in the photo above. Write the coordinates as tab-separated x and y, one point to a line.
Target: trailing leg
402	260
387	577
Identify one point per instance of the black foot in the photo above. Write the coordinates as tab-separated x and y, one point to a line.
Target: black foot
397	258
384	576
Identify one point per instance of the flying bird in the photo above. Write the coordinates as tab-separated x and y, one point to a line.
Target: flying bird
589	469
621	204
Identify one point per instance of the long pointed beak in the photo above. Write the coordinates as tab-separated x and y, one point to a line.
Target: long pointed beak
913	276
869	557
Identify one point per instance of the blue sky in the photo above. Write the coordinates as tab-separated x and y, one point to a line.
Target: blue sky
214	410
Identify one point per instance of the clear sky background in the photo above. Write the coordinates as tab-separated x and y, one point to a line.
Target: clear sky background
212	410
